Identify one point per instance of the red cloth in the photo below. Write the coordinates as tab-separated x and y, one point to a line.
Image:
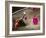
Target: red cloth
35	20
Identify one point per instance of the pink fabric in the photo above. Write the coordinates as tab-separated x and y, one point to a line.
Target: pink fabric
35	20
